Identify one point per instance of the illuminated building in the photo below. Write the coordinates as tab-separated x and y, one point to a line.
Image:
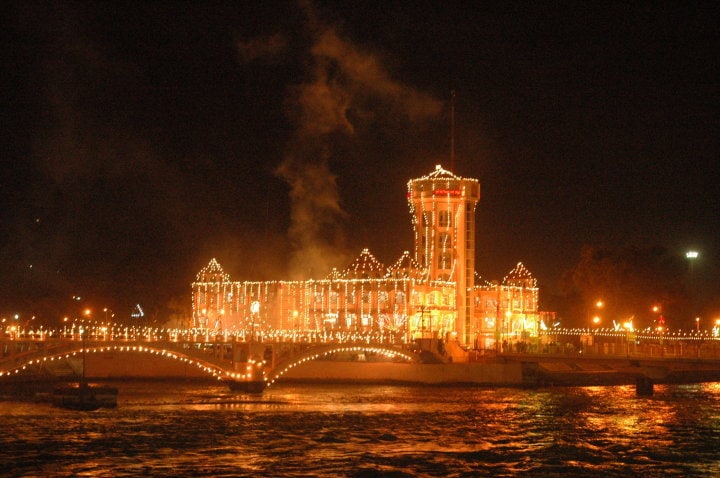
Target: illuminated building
442	206
431	293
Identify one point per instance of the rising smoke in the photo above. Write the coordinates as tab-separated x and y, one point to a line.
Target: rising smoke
344	88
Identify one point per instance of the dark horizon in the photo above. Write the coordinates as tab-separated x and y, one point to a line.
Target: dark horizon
145	139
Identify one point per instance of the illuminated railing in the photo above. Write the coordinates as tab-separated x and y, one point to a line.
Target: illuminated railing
641	334
314	355
203	366
118	333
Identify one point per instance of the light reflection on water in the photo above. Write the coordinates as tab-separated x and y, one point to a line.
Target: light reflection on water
195	429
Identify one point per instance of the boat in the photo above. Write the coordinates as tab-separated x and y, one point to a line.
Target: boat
85	397
247	386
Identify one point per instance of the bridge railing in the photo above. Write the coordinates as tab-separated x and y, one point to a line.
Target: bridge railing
217	344
620	347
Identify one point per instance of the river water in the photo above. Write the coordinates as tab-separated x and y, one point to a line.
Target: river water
199	429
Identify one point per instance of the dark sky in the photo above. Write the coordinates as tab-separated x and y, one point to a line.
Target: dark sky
141	139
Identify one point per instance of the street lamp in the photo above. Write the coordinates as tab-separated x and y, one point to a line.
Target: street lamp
599	304
692	256
628	325
697	324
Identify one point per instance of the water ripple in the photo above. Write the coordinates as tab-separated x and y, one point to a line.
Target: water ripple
356	431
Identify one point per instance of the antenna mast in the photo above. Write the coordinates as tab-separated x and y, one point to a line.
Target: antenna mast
452	131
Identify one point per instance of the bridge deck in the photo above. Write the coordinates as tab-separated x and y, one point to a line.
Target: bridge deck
674	362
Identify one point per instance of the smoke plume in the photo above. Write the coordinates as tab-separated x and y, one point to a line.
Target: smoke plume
344	89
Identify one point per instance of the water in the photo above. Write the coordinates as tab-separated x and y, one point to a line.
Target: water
196	429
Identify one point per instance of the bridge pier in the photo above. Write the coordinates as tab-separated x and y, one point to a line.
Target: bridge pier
644	386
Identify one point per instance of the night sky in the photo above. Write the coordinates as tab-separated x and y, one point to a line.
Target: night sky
142	139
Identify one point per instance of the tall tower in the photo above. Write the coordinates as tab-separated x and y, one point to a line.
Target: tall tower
442	207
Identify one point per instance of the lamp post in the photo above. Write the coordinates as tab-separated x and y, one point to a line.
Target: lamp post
596	319
508	330
692	257
599	304
254	312
628	329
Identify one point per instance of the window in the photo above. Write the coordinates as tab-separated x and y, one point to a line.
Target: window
445	260
444	240
445	219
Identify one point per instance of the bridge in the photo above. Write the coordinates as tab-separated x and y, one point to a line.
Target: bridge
560	357
230	357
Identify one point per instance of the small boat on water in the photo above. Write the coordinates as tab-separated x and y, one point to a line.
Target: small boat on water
247	386
85	397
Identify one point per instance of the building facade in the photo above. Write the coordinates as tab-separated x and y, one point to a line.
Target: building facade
429	293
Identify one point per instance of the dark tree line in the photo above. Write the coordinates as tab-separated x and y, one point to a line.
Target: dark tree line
630	281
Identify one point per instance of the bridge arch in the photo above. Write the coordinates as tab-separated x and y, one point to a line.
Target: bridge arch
318	352
204	366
